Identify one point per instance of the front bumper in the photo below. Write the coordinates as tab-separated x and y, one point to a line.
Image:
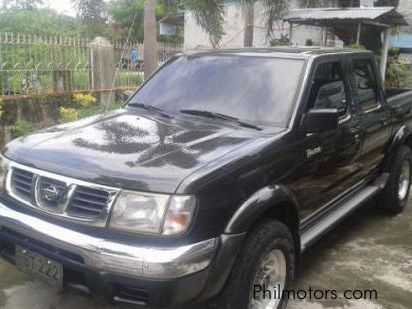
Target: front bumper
146	262
166	275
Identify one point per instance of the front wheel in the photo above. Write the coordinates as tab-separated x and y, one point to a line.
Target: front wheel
394	197
265	267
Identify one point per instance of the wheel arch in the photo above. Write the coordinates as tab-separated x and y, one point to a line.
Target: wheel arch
270	203
402	137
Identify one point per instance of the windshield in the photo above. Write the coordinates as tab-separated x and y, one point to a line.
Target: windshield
254	89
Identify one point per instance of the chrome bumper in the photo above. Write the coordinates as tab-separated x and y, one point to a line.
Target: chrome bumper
109	256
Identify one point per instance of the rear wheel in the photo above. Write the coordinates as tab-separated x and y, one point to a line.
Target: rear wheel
394	198
266	261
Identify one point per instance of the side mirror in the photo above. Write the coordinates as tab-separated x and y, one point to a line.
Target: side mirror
321	120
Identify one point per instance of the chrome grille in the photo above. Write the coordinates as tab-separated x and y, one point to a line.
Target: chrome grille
61	196
22	183
87	202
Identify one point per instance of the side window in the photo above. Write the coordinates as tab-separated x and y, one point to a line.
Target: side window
328	88
365	84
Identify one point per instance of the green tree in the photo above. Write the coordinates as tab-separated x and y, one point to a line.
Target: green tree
122	13
94	16
208	14
22	4
39	21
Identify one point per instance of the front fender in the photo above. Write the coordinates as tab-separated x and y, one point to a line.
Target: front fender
257	204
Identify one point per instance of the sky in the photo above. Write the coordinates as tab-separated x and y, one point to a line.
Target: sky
62	6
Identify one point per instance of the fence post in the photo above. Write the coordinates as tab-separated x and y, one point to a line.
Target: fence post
62	81
102	71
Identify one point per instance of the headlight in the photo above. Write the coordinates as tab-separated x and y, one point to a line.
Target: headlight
152	213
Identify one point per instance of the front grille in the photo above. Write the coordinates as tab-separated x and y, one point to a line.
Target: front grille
61	196
88	202
22	182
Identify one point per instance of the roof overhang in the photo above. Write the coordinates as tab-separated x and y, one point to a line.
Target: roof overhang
174	20
327	17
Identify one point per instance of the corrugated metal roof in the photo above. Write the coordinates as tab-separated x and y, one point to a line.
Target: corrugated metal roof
338	13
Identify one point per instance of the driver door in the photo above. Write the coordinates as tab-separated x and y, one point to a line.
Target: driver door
331	165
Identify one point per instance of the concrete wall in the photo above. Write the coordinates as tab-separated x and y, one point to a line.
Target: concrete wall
196	37
405	7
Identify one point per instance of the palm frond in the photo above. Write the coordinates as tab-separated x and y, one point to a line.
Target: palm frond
210	15
275	11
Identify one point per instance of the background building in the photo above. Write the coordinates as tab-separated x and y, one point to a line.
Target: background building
195	37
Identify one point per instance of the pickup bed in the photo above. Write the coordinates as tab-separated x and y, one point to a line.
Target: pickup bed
210	182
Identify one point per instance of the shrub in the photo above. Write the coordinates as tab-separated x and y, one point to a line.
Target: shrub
357	46
21	128
398	72
67	114
85	100
309	42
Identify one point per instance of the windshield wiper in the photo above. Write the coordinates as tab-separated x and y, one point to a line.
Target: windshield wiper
150	108
213	115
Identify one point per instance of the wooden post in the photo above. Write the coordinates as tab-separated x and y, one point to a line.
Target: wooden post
384	53
62	81
324	37
101	53
358	34
290	33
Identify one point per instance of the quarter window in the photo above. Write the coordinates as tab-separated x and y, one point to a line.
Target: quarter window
365	84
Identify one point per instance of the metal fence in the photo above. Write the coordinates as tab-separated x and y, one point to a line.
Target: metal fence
33	64
130	60
29	63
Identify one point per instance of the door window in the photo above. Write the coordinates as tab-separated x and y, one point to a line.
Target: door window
328	88
365	84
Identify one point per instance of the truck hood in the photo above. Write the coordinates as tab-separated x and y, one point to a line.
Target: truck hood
131	149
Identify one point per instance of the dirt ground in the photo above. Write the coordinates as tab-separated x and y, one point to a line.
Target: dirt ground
369	251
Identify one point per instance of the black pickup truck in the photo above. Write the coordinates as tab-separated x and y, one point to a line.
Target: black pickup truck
211	180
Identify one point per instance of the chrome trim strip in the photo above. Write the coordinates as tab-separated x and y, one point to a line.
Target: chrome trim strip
109	256
100	221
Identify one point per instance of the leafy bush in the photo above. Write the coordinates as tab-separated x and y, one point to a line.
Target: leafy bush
21	128
68	114
357	46
398	73
84	100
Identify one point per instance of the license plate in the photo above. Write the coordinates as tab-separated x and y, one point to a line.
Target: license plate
39	267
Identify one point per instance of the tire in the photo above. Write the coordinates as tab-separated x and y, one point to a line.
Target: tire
266	239
394	197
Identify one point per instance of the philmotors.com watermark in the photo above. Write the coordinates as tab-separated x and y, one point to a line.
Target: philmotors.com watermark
263	292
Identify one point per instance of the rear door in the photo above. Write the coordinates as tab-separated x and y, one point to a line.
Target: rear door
374	117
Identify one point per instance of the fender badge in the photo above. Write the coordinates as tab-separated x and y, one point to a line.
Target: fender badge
313	152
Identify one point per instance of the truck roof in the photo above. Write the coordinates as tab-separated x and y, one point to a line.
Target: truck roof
276	52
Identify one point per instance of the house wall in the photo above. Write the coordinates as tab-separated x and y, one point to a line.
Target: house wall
196	37
405	7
